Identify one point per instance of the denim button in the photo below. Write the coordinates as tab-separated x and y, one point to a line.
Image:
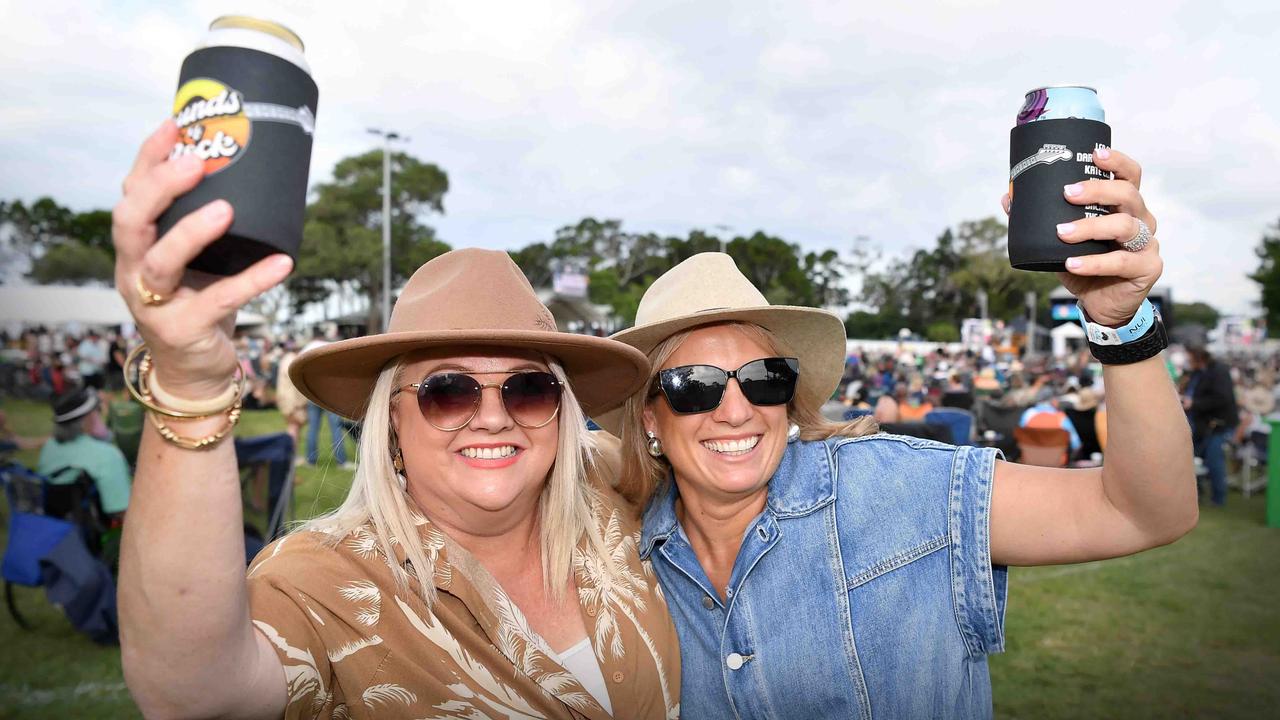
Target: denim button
708	603
734	661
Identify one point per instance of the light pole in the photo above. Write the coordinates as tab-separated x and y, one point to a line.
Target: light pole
387	136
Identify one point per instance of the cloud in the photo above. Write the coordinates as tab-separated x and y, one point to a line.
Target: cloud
815	121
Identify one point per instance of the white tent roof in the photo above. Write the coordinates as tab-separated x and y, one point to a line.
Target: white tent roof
60	304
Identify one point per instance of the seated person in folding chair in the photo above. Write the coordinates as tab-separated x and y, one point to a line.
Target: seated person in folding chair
1046	414
77	419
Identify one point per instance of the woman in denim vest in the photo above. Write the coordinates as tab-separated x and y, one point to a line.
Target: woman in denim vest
822	570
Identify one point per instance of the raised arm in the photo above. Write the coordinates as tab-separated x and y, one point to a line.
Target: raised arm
188	647
1145	493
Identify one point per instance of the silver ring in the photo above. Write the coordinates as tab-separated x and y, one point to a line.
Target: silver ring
1139	241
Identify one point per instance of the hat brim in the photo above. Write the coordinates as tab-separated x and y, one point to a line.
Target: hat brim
340	376
815	336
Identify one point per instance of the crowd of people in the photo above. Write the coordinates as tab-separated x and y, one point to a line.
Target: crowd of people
1227	399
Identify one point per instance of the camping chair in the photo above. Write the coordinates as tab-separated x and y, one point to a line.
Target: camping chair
34	531
272	454
1003	419
960	422
1045	447
924	431
1252	455
1086	427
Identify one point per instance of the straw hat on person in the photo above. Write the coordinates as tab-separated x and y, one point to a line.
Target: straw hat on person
468	297
708	288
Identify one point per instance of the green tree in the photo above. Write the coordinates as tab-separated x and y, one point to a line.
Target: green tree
1268	274
65	246
342	238
1198	313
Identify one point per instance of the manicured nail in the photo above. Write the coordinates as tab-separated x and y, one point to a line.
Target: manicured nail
1073	189
1066	228
1075	263
1102	153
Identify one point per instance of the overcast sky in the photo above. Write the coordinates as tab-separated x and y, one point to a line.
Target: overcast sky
814	121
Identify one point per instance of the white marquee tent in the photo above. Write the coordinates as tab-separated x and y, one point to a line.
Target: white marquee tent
55	305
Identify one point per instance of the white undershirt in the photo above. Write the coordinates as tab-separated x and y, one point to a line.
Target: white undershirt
581	661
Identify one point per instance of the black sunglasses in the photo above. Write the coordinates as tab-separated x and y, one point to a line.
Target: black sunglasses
448	401
693	389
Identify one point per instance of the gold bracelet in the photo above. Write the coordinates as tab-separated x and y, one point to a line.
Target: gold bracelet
141	391
204	443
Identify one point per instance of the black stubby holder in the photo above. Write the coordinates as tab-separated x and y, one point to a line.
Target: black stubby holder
1038	204
267	184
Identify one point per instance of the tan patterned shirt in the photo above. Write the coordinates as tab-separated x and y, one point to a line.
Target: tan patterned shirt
353	645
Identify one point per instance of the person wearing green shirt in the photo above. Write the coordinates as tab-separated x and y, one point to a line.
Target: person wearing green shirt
77	418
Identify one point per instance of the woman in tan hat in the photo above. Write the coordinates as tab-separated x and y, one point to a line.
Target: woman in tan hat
824	570
480	565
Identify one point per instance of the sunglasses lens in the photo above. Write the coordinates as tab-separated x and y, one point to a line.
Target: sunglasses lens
448	400
693	388
531	398
769	381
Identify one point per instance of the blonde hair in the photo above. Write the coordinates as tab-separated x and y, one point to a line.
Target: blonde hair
643	474
375	498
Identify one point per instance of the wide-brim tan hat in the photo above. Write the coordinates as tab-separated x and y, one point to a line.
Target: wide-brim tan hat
709	288
467	298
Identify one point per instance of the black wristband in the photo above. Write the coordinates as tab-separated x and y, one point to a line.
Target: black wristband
1149	345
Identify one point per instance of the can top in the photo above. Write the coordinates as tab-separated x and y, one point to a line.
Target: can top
1051	87
244	22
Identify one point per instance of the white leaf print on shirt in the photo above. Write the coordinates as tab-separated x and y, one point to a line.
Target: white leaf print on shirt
365	593
505	702
352	647
387	694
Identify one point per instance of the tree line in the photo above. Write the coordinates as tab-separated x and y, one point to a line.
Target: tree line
929	291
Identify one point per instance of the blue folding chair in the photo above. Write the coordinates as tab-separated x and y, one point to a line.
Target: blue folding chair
32	533
960	422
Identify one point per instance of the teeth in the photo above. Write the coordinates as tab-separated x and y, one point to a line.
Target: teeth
731	447
489	453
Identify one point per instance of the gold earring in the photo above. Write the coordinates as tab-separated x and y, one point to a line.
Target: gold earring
397	462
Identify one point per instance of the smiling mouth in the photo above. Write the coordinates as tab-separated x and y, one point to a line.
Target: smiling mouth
488	453
740	446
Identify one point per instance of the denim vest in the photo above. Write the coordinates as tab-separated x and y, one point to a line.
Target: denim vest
864	590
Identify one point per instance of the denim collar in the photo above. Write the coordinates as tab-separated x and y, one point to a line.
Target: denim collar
802	483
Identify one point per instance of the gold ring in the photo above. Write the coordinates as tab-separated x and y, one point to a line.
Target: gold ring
148	297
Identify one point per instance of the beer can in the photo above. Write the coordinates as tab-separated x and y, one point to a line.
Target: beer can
246	105
1051	146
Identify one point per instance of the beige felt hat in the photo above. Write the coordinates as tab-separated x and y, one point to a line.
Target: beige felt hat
468	297
709	288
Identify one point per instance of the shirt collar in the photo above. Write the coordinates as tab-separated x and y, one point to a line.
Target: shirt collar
802	483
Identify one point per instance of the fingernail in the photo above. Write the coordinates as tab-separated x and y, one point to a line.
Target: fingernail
1073	190
1102	153
1075	263
218	209
282	262
1066	228
189	163
164	124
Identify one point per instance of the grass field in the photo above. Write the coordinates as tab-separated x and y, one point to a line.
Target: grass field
1187	631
